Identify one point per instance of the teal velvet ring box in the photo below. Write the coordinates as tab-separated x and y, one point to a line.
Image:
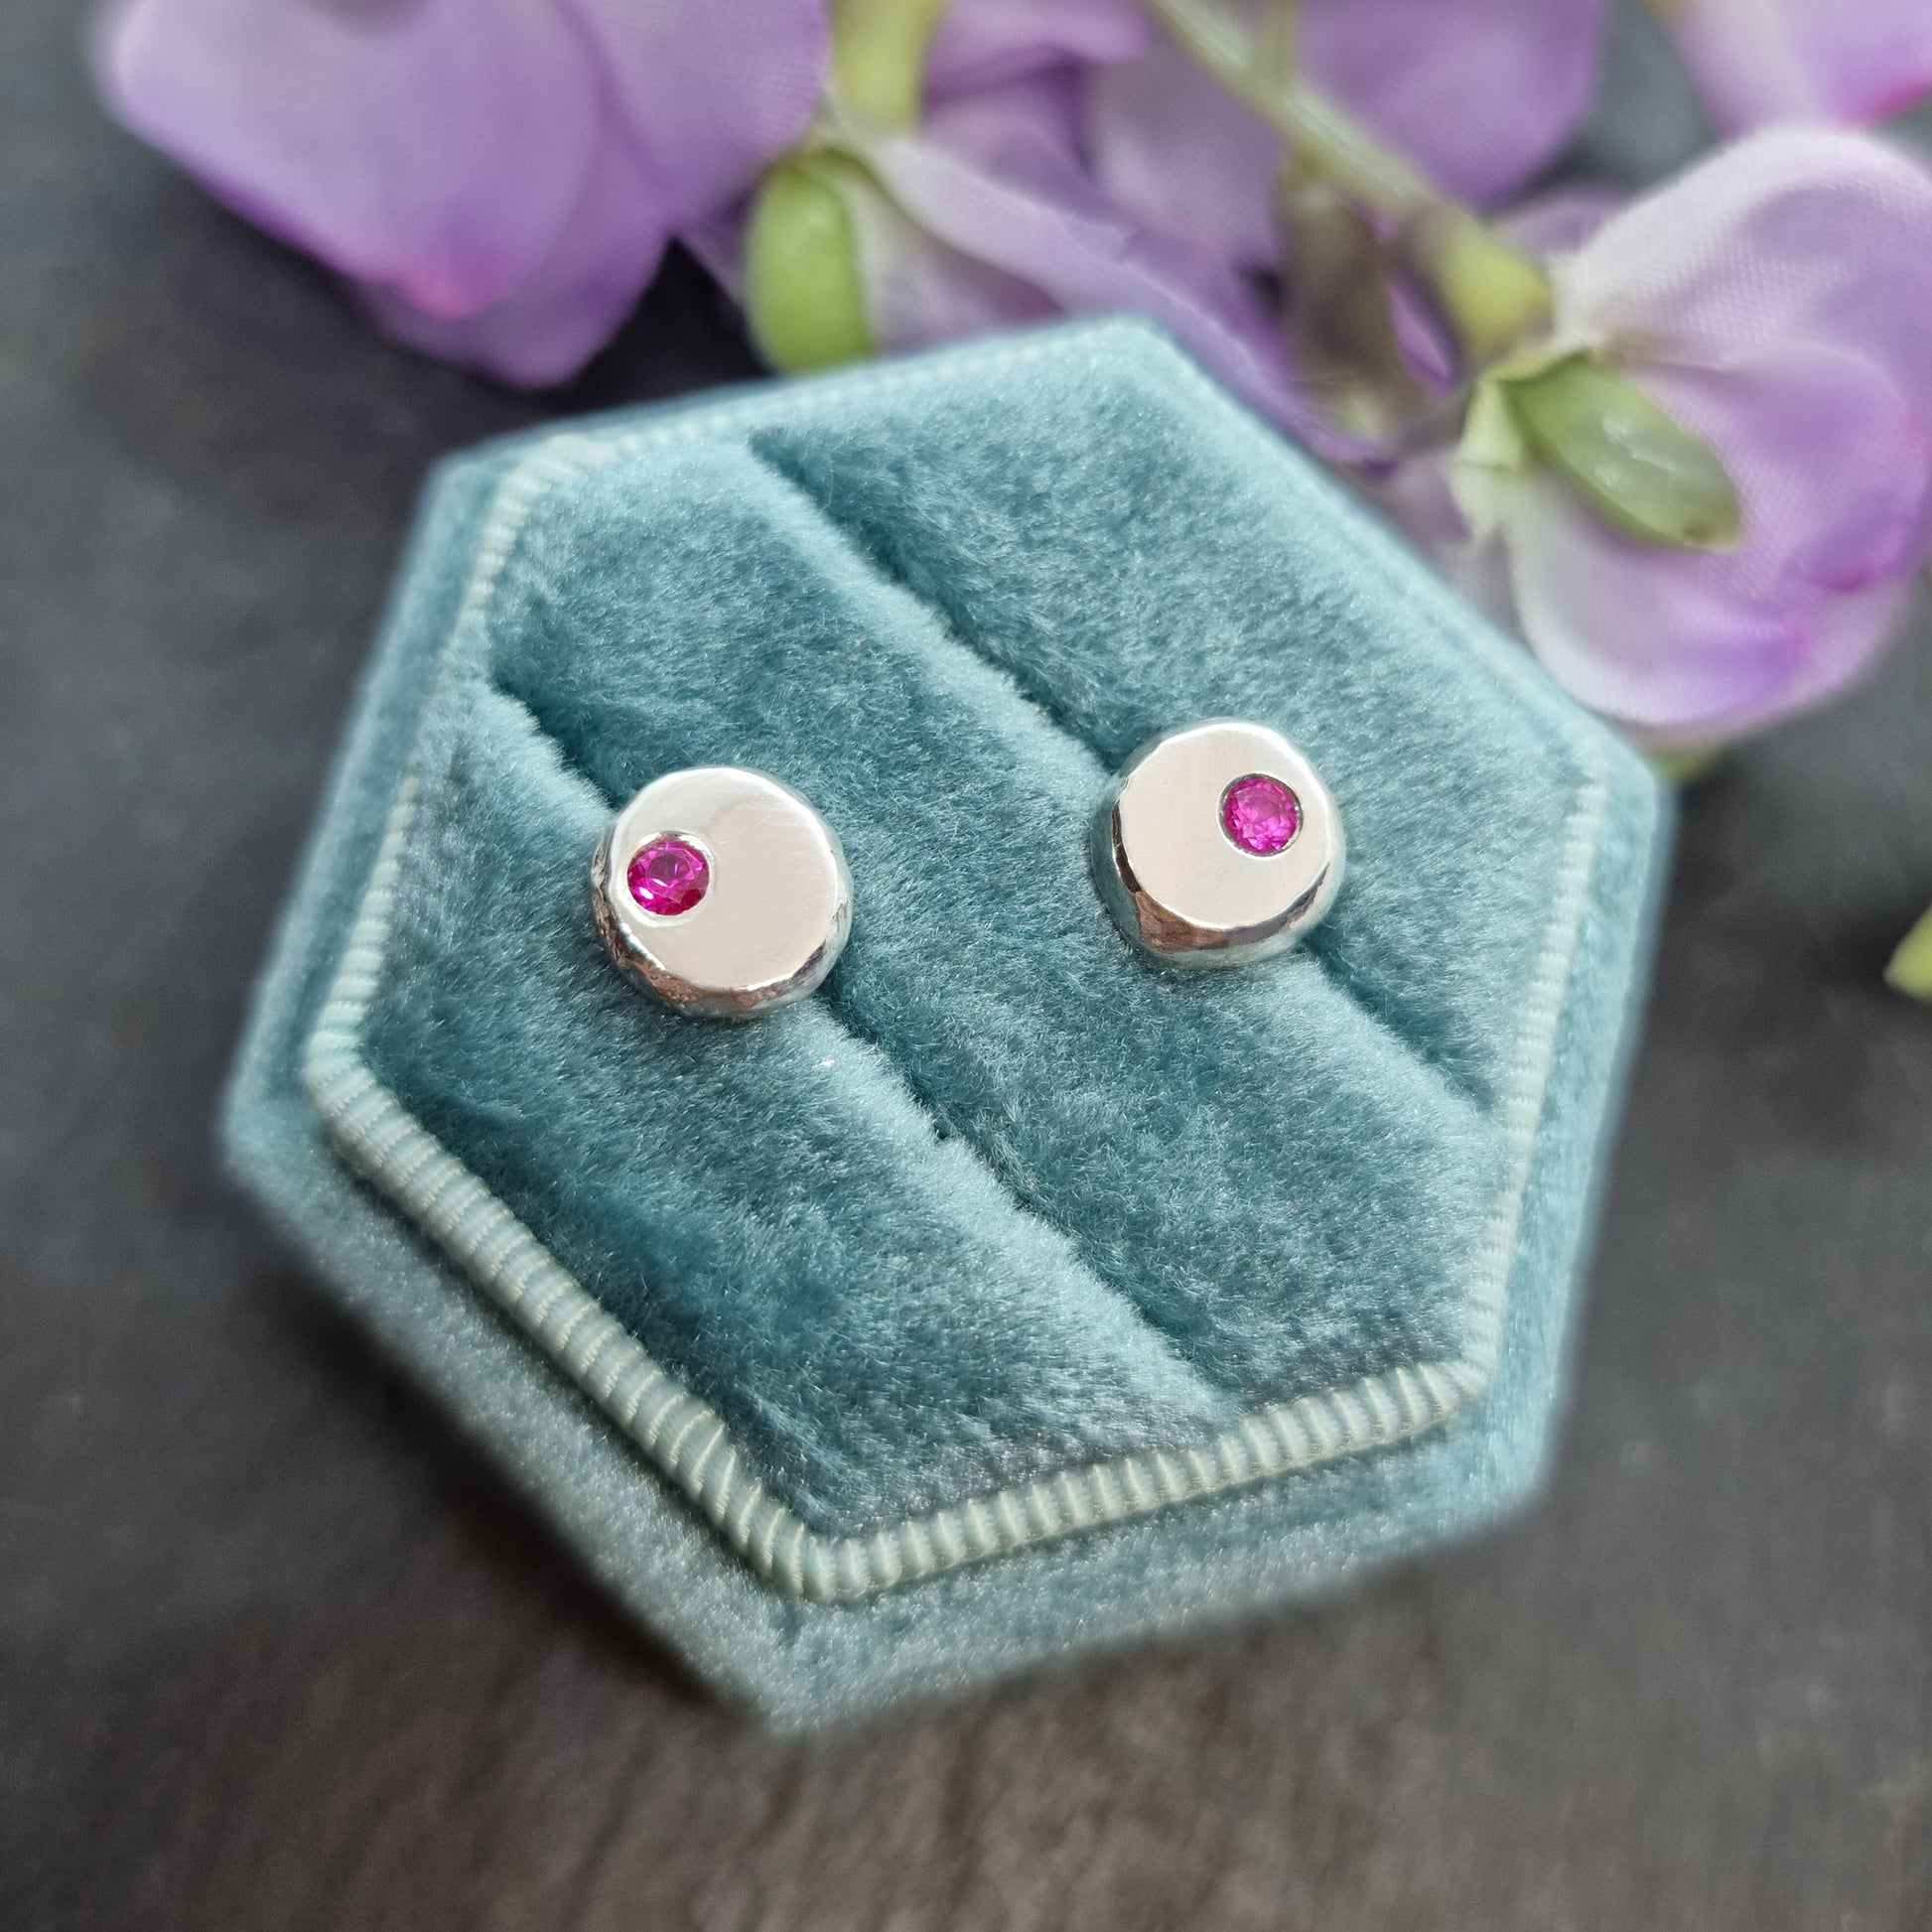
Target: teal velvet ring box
1011	1294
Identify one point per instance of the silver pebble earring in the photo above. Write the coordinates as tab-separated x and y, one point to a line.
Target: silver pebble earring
721	891
1216	845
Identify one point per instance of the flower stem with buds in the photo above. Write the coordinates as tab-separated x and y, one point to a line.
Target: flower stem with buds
1491	295
804	291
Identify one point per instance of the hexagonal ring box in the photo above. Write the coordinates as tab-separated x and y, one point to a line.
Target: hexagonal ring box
1012	1293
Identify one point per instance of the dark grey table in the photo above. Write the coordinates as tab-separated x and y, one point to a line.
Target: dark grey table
277	1649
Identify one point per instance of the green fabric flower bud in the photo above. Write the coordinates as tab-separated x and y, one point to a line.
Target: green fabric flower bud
1637	468
1911	970
805	296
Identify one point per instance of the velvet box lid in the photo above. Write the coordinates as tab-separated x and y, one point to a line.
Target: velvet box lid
1011	1294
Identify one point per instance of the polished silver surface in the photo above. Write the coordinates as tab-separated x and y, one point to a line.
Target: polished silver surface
1176	882
776	909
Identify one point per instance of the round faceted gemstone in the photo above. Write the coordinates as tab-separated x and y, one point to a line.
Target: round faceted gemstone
668	876
1260	814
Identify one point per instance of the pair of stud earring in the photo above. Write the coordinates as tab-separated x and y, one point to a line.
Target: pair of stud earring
726	894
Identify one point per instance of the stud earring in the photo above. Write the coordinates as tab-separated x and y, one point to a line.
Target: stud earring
721	891
1216	845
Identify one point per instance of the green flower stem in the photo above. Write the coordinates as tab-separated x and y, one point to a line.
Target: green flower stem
878	49
1275	50
1347	155
1491	294
1911	970
1360	167
804	288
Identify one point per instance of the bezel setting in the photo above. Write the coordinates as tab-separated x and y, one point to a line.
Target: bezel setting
1179	884
776	907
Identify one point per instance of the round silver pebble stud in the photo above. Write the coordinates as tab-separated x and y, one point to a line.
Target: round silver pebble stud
1218	843
721	891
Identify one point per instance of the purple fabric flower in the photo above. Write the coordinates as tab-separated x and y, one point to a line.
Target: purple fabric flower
990	219
982	43
1760	60
1776	300
1476	94
1072	160
987	216
500	177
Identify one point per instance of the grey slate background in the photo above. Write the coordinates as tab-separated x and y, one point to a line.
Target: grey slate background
277	1649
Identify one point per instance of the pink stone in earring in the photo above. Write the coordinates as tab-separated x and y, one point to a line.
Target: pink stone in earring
668	876
1218	843
721	891
1261	814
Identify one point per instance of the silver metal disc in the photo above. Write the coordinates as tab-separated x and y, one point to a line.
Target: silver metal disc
755	920
1168	854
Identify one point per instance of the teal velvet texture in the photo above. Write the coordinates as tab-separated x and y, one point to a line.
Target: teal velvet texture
1002	1198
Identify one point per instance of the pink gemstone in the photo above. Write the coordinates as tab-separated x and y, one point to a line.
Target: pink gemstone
1260	814
668	876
